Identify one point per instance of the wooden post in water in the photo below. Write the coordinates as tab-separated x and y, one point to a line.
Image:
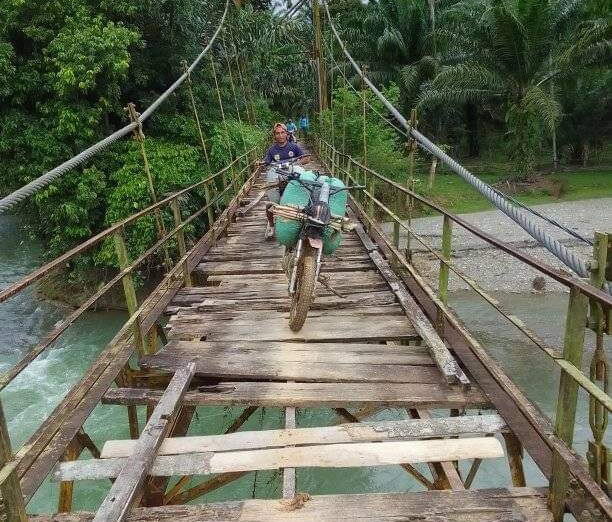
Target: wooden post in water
66	488
12	497
180	238
132	305
566	402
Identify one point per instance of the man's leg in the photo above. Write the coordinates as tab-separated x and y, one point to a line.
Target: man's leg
273	197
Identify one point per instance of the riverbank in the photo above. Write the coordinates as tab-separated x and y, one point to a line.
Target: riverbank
497	271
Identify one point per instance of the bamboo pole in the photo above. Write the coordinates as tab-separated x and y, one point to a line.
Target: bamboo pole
180	238
140	138
447	232
227	138
410	181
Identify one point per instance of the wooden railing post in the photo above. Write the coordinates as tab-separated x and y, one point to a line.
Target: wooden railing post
180	239
447	232
209	206
598	453
566	403
12	497
396	225
128	288
410	181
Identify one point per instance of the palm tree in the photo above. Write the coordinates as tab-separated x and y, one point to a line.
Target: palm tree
508	53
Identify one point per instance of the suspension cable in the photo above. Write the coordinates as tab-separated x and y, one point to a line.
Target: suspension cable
501	193
495	197
34	186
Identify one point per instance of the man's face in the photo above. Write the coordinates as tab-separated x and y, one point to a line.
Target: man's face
280	136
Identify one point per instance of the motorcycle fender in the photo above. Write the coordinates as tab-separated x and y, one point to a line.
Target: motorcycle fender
315	242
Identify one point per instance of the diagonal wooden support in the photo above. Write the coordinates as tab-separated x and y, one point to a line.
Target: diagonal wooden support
366	412
127	488
176	496
445	362
445	473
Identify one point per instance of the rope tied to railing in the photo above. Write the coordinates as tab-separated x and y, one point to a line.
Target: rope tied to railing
562	253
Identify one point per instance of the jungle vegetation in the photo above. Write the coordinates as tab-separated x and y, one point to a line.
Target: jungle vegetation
504	81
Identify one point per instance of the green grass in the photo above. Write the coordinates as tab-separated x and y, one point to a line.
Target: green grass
456	195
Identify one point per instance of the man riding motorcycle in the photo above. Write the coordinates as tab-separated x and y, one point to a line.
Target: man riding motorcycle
281	150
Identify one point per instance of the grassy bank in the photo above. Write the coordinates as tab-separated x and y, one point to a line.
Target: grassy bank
450	191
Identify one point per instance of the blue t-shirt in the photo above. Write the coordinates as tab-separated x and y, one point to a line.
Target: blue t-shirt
304	123
288	151
291	127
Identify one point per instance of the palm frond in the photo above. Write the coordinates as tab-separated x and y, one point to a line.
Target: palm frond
543	104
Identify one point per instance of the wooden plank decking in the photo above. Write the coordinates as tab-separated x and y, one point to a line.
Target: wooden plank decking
369	349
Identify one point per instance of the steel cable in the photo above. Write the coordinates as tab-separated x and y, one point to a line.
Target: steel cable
34	186
510	198
552	245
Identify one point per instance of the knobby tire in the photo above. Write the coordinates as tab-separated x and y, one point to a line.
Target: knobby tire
304	292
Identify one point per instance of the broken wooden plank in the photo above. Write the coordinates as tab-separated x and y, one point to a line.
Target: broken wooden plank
274	266
134	470
445	361
320	456
312	395
335	353
408	429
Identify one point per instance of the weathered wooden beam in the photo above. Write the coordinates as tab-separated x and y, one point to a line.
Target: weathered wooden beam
324	455
313	394
446	363
407	429
485	505
134	470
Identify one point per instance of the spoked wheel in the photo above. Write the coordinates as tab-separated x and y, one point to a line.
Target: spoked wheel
304	291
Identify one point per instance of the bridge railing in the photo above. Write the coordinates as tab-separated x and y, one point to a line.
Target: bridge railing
139	333
369	205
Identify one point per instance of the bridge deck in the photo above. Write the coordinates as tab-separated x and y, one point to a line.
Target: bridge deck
360	351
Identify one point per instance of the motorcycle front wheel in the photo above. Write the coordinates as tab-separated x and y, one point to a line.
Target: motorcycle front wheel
304	291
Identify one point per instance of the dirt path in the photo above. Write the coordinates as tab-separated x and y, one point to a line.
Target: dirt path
497	271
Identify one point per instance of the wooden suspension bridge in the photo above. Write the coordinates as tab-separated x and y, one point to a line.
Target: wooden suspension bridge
213	332
388	342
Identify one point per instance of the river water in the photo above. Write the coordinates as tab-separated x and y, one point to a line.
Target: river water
34	394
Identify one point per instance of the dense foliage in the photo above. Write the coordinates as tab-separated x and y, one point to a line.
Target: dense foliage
509	76
68	69
529	71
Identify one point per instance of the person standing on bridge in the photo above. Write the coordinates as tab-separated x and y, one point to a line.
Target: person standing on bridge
304	125
291	128
281	150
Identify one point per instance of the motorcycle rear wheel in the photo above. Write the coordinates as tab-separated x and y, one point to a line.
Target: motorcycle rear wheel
304	291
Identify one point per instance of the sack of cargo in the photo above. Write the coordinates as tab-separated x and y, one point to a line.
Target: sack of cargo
287	231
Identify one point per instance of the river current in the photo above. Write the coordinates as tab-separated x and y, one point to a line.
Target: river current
37	391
